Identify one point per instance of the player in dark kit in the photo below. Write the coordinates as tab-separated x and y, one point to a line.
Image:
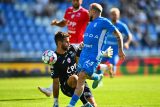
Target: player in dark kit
64	71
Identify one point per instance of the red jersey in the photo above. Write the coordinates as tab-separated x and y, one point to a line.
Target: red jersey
76	23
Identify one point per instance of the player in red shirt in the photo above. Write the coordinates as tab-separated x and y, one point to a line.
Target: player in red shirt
76	19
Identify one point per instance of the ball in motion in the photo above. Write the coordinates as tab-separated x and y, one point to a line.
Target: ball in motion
49	57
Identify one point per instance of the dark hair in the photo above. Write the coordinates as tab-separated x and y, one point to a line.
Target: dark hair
60	36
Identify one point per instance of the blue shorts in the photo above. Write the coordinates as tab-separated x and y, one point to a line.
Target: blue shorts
115	58
87	64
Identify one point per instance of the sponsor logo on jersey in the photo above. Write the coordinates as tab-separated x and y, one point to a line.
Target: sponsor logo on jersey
91	35
95	24
68	60
71	68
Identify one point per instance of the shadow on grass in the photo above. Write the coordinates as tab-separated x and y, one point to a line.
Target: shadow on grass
27	99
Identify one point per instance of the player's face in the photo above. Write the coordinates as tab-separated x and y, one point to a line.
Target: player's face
91	13
114	16
76	3
65	44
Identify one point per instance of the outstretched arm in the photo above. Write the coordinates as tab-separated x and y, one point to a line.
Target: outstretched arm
61	23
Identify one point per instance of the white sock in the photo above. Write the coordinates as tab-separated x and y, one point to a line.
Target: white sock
103	67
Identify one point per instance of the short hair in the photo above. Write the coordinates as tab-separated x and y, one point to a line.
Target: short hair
115	10
60	36
97	7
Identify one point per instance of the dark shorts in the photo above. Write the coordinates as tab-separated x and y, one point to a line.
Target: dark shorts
68	91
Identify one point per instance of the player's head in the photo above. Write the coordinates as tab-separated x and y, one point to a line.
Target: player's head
114	14
62	40
95	10
76	4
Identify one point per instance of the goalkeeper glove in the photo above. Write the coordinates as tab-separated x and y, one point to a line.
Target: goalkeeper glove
108	52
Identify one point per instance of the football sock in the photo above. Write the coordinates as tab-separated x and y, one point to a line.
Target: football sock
102	67
95	76
83	99
74	100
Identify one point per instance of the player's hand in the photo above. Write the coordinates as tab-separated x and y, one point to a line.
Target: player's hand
108	52
121	55
81	45
54	22
126	45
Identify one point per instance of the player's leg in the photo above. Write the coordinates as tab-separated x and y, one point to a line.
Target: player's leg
97	77
79	89
106	67
47	91
88	95
72	82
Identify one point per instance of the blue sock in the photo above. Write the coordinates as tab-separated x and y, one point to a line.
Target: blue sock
95	76
99	72
74	100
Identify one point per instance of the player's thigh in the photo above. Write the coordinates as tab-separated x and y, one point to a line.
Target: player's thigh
72	81
90	66
67	90
80	63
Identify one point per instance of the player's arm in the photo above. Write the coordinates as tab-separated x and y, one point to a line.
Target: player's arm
55	91
129	39
128	35
120	43
61	23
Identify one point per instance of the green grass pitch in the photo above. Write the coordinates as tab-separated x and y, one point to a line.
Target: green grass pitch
123	91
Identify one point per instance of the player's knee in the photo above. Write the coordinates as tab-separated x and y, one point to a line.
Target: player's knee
92	101
82	75
72	81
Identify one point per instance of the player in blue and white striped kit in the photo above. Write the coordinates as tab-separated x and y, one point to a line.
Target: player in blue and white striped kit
111	40
93	40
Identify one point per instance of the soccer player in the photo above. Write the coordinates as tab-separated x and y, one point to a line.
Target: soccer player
76	19
64	72
91	52
112	41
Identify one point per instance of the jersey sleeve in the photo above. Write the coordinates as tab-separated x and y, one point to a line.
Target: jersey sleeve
65	15
106	24
77	50
54	72
126	30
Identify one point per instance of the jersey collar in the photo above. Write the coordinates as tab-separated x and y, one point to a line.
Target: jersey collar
78	9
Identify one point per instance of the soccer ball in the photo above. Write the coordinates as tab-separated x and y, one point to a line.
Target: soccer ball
49	57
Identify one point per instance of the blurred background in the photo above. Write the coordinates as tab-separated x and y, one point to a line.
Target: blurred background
25	33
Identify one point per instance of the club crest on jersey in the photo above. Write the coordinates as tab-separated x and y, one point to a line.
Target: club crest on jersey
69	60
95	24
78	14
72	16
